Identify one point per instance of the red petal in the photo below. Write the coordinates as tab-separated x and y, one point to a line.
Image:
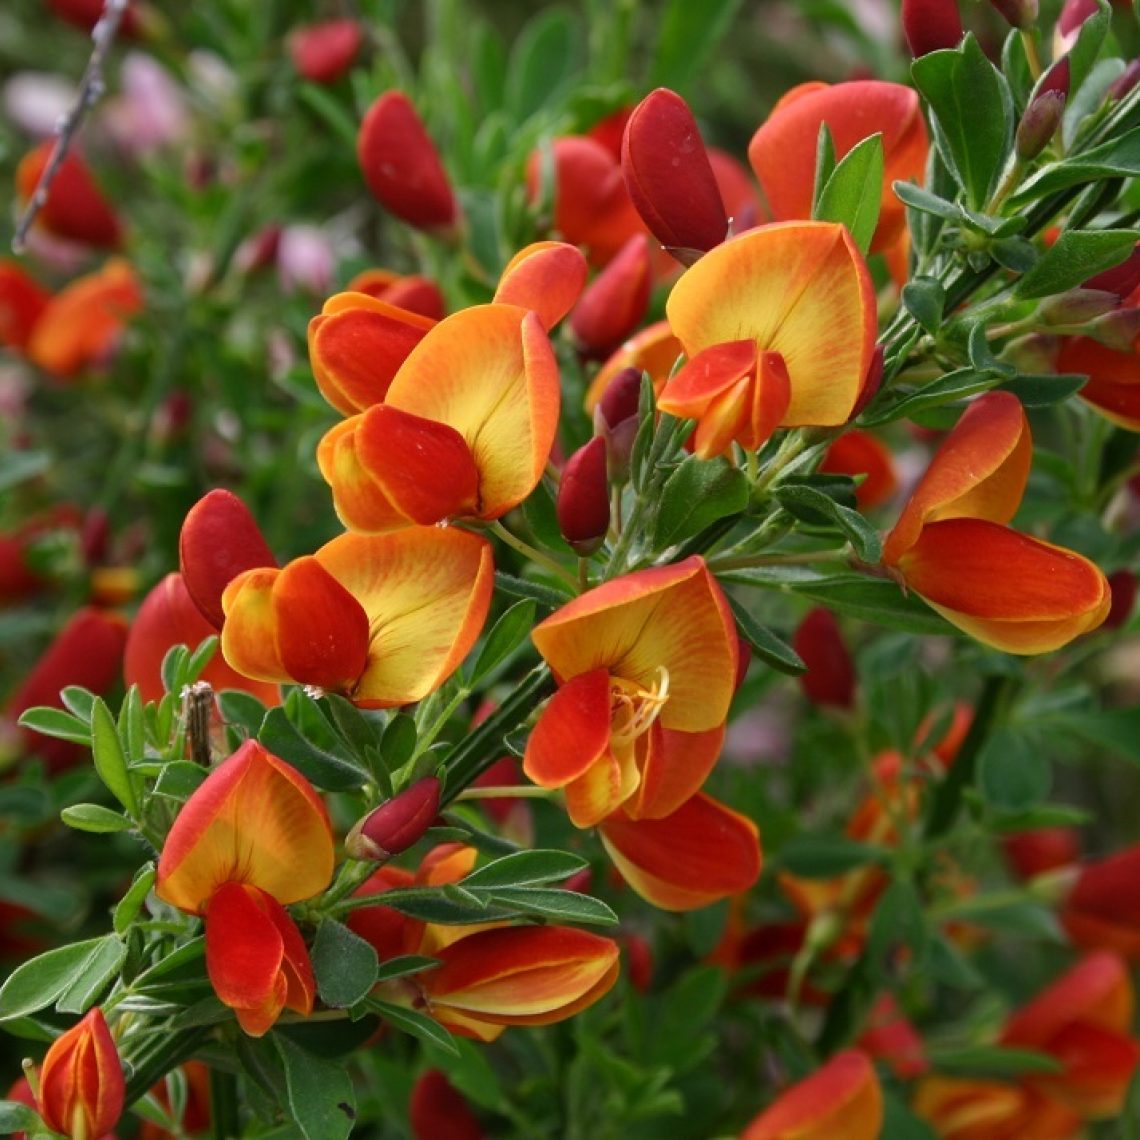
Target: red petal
572	733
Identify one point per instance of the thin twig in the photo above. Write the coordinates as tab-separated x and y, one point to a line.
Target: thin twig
91	90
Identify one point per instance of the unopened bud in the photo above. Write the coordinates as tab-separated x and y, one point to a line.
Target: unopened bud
395	825
930	25
1033	354
1037	852
1123	586
1039	123
1076	306
614	303
583	503
322	53
615	421
830	676
1073	14
669	177
1118	329
1021	14
1124	82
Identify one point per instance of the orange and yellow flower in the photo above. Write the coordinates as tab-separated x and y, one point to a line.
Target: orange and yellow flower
464	430
253	837
646	668
383	619
82	1088
951	544
779	327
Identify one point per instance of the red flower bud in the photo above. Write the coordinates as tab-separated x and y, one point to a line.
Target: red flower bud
930	25
1042	117
219	539
1032	853
75	208
1073	15
669	178
86	14
437	1111
615	420
22	300
1019	13
82	1089
401	166
322	53
583	498
1123	586
613	305
830	676
638	961
1127	79
416	294
395	825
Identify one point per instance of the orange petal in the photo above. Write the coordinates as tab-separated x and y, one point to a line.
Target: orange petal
322	630
166	618
546	277
525	975
711	372
254	820
249	636
966	1109
980	471
615	301
798	288
1007	590
703	852
783	150
841	1101
1101	910
81	1084
426	592
676	765
671	618
572	733
423	468
81	324
603	787
490	373
359	501
416	294
858	452
1114	378
355	351
654	350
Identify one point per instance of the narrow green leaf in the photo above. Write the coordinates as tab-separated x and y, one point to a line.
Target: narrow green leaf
688	35
94	976
1074	257
824	165
94	818
948	389
78	701
110	759
1013	773
853	194
772	650
398	742
417	1024
345	965
925	300
131	903
1117	158
507	634
525	868
554	904
520	588
826	856
927	203
1045	390
869	599
36	984
404	965
56	723
132	726
544	60
17	1117
992	1061
323	768
863	537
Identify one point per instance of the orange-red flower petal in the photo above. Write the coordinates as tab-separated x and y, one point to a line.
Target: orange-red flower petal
546	277
82	1087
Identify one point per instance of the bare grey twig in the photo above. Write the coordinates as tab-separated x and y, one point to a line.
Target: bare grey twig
91	90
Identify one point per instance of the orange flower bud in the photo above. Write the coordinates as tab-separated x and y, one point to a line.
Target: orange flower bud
22	301
88	651
322	53
583	503
614	303
830	676
418	295
219	539
669	178
75	208
930	25
437	1111
82	1089
397	823
401	166
841	1101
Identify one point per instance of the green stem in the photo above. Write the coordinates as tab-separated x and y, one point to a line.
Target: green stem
224	1121
169	1051
799	558
507	791
536	556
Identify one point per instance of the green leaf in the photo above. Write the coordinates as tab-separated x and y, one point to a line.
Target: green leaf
1074	257
826	856
174	668
1023	918
131	903
326	770
431	905
853	194
36	984
863	537
520	588
824	164
1082	55
132	726
79	701
1045	390
330	111
57	723
897	919
17	1117
1117	158
321	1099
927	203
689	33
358	732
948	389
697	494
417	1024
973	114
1117	729
993	1061
242	709
526	868
545	58
899	1123
925	299
551	903
398	742
1013	773
94	976
345	965
94	818
405	964
876	600
507	634
110	758
772	650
